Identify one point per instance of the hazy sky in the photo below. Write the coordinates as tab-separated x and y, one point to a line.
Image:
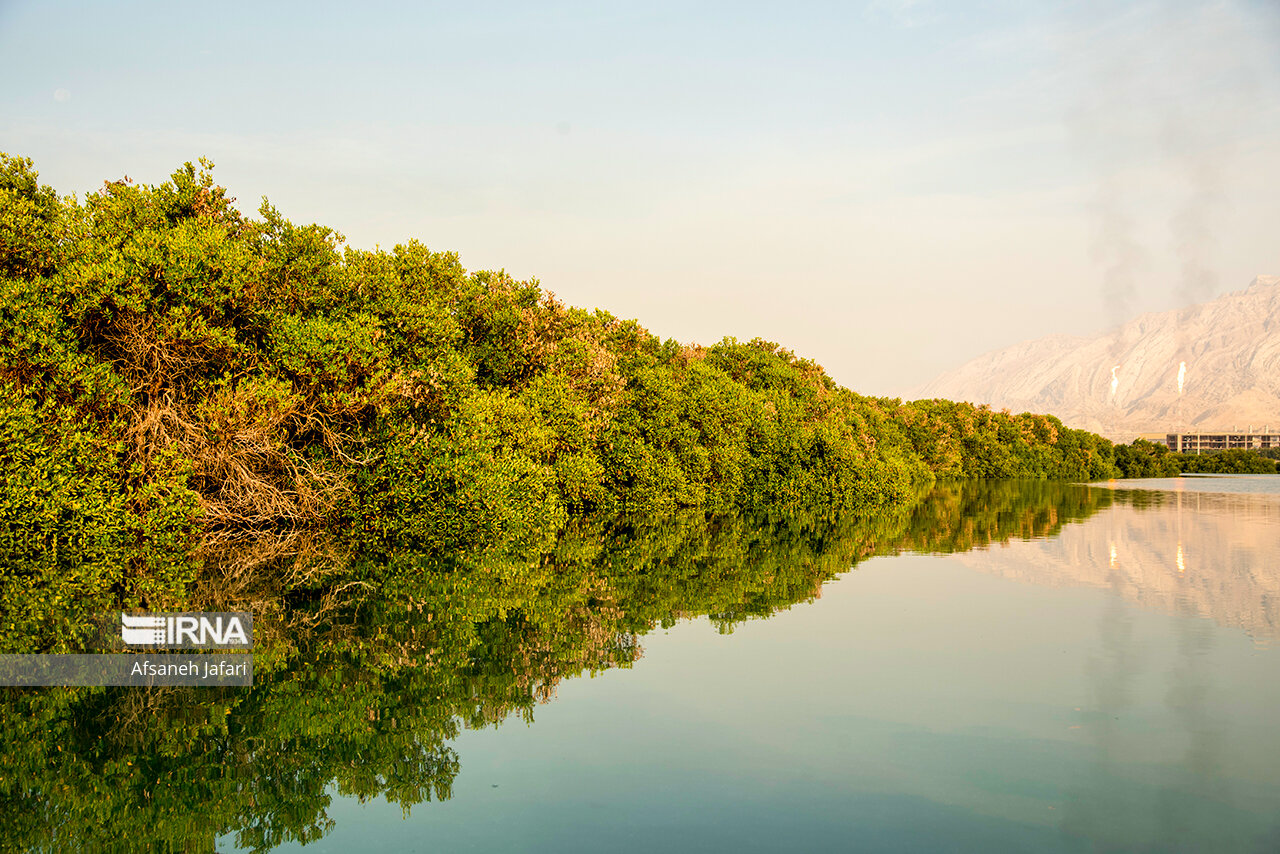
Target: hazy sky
890	188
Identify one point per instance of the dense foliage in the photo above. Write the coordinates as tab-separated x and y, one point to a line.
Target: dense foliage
1147	459
390	460
1234	461
173	371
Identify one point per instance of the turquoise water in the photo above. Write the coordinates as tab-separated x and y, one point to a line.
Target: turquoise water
1109	686
996	666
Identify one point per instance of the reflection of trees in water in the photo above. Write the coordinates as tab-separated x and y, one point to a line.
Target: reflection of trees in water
1192	555
368	665
1197	553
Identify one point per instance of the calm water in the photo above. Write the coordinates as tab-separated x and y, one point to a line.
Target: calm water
1250	484
1008	667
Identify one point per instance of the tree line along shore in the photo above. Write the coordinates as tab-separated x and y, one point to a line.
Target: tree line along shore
173	371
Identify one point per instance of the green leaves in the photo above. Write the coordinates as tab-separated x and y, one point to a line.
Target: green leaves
29	217
232	374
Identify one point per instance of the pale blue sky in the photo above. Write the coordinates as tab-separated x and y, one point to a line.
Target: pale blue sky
888	187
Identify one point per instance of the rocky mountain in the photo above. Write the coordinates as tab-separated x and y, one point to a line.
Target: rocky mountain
1127	382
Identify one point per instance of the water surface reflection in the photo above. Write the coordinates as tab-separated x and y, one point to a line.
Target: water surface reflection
918	705
1207	554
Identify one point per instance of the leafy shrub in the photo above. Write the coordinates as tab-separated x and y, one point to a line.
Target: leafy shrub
231	374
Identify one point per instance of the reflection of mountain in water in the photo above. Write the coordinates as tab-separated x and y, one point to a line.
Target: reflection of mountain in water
1209	554
367	666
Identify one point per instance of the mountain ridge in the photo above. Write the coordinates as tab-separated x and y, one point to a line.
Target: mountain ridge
1231	347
